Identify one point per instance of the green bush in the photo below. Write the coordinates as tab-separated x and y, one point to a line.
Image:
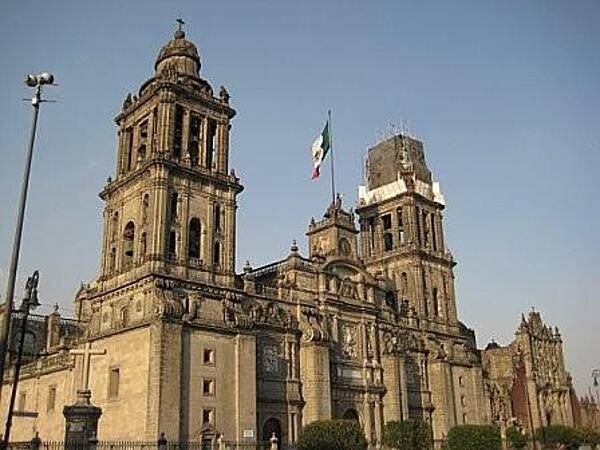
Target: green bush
332	435
411	434
590	437
515	438
553	435
474	437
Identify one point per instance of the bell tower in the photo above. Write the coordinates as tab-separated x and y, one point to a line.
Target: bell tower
401	233
171	207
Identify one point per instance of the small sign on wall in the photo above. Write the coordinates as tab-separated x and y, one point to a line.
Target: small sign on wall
248	433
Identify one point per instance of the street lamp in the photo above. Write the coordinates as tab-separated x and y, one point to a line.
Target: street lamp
37	82
30	301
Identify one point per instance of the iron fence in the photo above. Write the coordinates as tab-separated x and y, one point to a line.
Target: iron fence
142	445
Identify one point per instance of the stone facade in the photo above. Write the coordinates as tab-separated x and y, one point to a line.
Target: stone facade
528	383
364	327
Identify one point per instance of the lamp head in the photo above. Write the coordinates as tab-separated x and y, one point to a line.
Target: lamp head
31	80
45	78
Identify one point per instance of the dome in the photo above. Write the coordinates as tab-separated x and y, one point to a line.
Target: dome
180	53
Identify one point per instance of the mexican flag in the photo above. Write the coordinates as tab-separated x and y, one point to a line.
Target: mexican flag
319	150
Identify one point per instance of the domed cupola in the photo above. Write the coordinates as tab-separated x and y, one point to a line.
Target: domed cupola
179	54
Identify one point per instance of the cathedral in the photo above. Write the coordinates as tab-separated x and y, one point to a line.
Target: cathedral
172	340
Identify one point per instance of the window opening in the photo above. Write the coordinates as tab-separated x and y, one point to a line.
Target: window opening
210	144
194	238
113	383
178	132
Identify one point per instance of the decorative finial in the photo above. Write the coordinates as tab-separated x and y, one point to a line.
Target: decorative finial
294	247
56	307
247	267
180	34
224	95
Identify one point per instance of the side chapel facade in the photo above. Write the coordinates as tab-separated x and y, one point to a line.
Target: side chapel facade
364	327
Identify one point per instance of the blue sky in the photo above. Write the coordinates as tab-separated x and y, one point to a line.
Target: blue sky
505	96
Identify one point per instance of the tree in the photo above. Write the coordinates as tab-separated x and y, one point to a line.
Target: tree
474	437
552	435
332	435
411	434
590	437
516	438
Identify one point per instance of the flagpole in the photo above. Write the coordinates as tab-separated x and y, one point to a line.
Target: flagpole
331	151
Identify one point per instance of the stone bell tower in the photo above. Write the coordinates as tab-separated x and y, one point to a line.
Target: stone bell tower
401	233
171	207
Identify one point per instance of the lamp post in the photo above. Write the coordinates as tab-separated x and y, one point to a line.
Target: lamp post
34	81
30	301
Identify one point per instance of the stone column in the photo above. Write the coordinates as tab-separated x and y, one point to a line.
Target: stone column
120	152
368	414
185	138
315	375
106	215
167	117
184	220
245	385
378	405
294	359
152	127
440	233
403	388
392	400
159	215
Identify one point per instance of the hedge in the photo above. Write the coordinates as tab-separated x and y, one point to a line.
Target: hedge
332	435
516	439
552	435
411	434
590	437
474	437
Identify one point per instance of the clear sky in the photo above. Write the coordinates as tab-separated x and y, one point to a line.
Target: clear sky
505	95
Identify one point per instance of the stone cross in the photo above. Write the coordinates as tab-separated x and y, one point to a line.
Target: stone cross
180	24
87	352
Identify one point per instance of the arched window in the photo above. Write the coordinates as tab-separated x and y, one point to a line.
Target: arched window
217	253
128	241
128	149
436	306
172	244
125	316
433	236
272	427
178	132
143	245
350	414
194	139
425	229
194	231
217	217
211	133
173	204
